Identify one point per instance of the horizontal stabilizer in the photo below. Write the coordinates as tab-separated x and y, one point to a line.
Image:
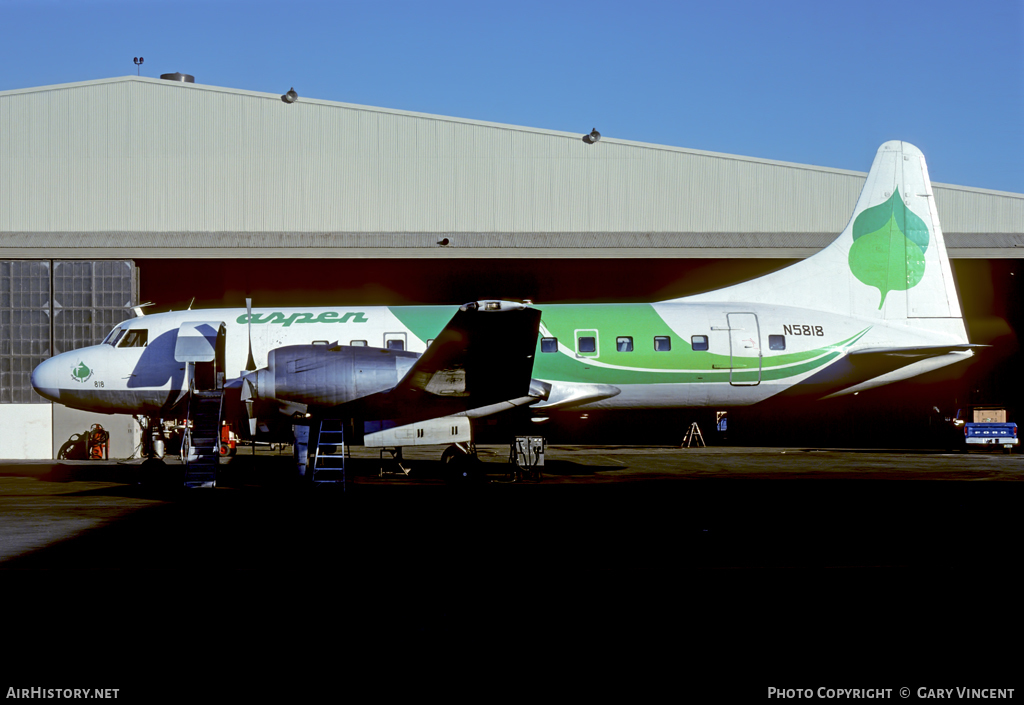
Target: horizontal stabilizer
916	352
867	368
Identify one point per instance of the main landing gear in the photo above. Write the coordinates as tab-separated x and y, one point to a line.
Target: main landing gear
461	464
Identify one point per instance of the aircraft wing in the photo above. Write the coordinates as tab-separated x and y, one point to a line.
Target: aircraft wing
482	360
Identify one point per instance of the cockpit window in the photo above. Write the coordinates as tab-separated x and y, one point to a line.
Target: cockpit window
112	336
135	338
118	333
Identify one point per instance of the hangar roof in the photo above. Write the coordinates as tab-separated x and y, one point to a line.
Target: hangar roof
142	168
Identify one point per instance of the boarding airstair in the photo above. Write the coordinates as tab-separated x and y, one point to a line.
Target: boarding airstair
330	454
202	431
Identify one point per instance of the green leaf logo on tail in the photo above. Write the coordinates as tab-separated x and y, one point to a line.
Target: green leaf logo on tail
889	242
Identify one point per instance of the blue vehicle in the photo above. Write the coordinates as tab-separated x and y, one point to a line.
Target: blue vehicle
990	428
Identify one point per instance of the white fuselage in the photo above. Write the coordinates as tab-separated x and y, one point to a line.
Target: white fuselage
716	354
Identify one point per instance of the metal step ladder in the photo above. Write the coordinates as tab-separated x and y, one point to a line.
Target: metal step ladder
330	454
693	437
203	437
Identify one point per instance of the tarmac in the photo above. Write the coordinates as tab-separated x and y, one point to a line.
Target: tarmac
786	567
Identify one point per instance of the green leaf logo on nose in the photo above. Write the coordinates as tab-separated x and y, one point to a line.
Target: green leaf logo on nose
82	372
889	242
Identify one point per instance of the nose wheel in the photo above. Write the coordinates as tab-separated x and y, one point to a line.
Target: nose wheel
153	470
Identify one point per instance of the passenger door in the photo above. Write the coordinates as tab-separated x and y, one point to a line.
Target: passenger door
744	350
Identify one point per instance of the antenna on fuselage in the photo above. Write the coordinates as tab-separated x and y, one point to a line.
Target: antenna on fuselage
190	303
138	309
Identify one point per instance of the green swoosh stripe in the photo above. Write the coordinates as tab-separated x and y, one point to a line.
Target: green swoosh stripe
682	365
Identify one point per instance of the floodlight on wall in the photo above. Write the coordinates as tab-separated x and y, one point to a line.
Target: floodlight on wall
290	97
593	137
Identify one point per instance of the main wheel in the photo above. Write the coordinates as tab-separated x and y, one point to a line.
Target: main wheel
460	467
450	454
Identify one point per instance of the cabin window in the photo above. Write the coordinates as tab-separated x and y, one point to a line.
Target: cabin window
395	344
357	343
776	342
548	345
135	338
587	344
624	343
699	342
662	343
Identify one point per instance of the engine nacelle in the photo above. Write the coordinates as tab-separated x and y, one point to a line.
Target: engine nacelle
323	376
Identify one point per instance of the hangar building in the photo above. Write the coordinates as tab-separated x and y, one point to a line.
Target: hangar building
106	185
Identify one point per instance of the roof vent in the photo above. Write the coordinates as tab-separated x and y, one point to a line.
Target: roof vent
182	77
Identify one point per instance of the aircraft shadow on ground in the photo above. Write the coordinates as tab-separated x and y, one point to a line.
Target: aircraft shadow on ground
426	529
279	469
570	468
78	472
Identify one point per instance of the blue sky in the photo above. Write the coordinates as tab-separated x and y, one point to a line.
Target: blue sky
811	82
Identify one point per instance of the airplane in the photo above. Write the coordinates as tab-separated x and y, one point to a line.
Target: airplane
876	306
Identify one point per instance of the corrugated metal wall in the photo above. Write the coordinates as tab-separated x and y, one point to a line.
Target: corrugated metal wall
133	154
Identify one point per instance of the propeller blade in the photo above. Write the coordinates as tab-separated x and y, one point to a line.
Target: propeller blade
250	364
248	396
248	388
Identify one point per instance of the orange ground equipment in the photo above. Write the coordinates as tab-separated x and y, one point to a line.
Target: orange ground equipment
98	443
228	443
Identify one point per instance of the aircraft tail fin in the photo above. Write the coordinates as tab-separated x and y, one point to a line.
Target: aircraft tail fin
889	262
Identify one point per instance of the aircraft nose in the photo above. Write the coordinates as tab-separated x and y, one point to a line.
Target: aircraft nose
45	379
